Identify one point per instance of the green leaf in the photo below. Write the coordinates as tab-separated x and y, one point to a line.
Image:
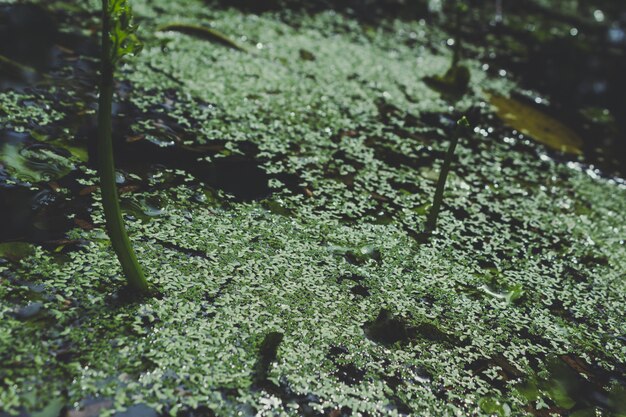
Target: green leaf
122	33
202	32
494	407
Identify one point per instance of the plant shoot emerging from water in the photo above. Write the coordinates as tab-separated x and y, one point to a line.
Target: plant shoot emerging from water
433	214
118	40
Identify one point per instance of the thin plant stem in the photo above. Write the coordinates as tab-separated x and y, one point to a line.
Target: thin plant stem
433	214
106	167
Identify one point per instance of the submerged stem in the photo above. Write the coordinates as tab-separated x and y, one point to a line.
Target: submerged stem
433	214
106	167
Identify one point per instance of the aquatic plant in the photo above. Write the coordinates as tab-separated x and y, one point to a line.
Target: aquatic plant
433	214
457	77
118	40
225	264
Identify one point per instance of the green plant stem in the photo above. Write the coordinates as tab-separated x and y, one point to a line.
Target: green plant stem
433	214
106	167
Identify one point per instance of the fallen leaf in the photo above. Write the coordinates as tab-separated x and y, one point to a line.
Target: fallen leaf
536	124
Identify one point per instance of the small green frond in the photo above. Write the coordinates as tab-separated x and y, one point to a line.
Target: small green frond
124	41
463	122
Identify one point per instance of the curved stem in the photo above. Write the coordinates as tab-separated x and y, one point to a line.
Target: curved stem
106	167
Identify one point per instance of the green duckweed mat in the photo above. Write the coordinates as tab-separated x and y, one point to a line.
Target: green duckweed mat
275	195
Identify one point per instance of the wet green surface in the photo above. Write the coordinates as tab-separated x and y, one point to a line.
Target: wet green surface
276	199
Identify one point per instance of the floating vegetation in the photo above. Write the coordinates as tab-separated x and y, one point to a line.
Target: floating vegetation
278	205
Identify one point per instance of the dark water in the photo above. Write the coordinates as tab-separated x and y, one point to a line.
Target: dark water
580	73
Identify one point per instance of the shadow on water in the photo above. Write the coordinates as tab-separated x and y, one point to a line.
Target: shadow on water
29	56
389	330
32	172
237	175
25	52
30	207
571	386
163	145
31	215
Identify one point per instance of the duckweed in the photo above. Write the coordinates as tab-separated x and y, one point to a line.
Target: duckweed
315	296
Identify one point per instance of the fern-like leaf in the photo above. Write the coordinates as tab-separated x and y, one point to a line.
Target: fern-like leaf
122	31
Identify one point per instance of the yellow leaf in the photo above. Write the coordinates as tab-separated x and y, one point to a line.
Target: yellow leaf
539	126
